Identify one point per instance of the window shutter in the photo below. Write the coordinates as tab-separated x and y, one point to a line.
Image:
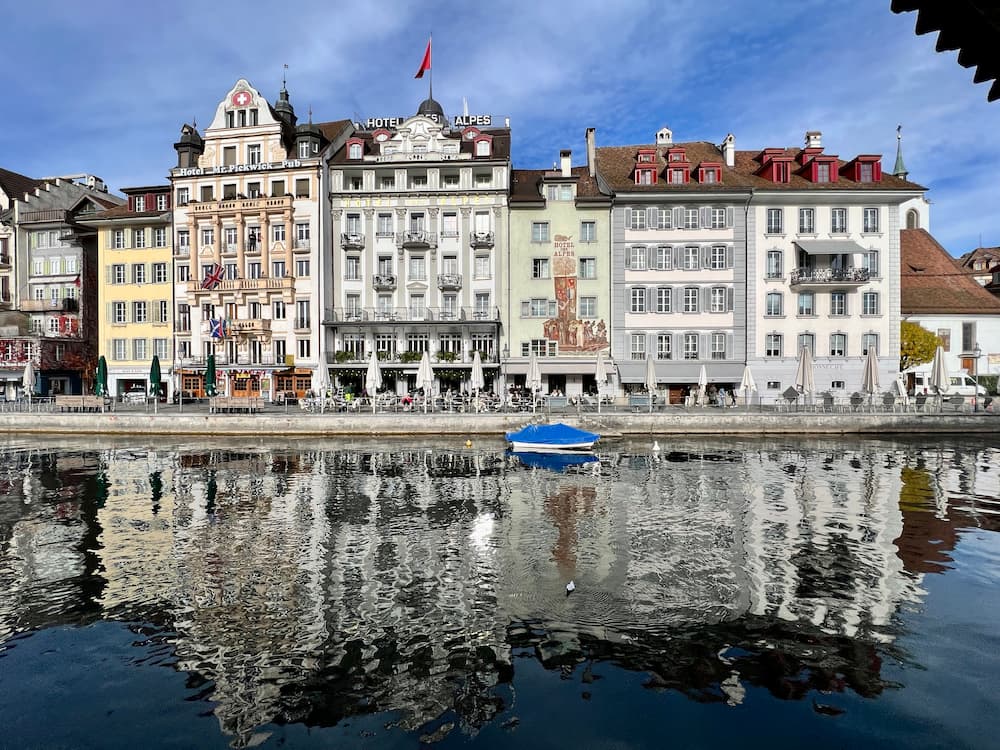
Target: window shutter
706	217
552	308
111	312
730	256
678	257
730	343
650	218
703	346
706	256
706	299
730	299
678	217
730	216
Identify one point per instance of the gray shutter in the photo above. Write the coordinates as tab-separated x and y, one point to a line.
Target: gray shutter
525	309
730	216
706	299
650	218
678	217
730	299
706	217
730	343
730	256
678	256
706	256
703	346
110	270
553	308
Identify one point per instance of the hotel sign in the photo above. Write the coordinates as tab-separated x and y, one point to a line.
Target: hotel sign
392	123
264	166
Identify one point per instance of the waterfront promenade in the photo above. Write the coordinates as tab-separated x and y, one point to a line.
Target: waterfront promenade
275	420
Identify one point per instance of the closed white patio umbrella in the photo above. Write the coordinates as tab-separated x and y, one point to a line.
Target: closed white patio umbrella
28	381
804	380
650	379
601	376
373	378
477	381
747	384
940	380
425	378
869	375
534	379
702	386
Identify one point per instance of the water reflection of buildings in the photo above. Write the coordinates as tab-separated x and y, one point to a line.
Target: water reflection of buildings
311	585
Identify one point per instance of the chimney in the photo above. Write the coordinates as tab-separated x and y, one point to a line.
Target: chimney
565	162
591	153
728	149
664	137
814	139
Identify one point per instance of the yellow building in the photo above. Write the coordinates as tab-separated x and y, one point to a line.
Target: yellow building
134	288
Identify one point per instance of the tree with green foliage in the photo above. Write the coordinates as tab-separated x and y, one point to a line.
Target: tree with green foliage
916	345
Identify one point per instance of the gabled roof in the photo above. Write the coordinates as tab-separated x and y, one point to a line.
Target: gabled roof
930	283
524	184
991	255
16	185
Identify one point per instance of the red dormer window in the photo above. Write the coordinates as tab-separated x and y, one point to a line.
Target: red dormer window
709	172
774	167
645	167
809	153
678	173
646	156
768	154
676	155
381	135
822	169
355	148
865	168
645	175
482	145
470	133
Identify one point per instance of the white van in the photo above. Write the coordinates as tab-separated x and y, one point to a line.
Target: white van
919	381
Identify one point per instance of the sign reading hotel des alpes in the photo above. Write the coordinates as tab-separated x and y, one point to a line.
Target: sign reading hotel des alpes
572	333
392	123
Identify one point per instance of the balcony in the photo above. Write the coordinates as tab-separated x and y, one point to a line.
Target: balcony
252	246
182	251
49	305
233	206
448	282
370	315
352	241
229	248
303	324
231	286
822	277
301	245
223	360
384	282
481	239
50	215
418	238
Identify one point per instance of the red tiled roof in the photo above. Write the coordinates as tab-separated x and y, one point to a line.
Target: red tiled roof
930	282
616	164
991	255
16	185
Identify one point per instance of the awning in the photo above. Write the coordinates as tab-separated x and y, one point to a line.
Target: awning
555	368
829	247
634	371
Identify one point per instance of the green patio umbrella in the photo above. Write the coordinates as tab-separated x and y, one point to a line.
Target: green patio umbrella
210	376
101	382
154	382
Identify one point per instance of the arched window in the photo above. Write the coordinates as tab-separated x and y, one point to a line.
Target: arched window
912	219
483	147
355	151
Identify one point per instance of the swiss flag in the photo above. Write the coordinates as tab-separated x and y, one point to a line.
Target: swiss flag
426	63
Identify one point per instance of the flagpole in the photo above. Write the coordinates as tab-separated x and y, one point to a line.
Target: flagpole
430	78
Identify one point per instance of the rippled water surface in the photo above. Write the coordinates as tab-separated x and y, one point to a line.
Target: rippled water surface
833	593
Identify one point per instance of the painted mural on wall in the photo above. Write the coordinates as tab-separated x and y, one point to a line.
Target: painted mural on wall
572	333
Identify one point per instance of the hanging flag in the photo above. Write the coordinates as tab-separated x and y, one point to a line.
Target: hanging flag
217	328
214	277
76	281
426	62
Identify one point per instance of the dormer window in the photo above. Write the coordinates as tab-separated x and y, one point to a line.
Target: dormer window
676	154
470	133
140	202
645	158
483	145
355	150
645	176
677	176
710	173
822	169
865	168
782	171
303	149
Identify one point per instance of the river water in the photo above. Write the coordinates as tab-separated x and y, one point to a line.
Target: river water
834	592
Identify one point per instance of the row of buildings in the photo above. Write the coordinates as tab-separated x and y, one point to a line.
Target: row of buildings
291	251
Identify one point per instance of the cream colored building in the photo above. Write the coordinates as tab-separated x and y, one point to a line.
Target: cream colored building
557	299
134	288
247	246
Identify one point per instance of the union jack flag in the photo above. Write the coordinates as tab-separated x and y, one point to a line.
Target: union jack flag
213	277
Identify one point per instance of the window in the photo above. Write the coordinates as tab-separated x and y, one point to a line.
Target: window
278	269
160	236
385	265
869	223
838	345
718	299
691	299
717	259
117	273
229	191
637	299
118	241
838	303
118	313
253	270
774	221
207	193
869	303
277	188
838	220
807	303
718	345
807	341
278	308
229	156
772	345
664	218
539	268
691	220
588	307
869	341
823	172
482	269
229	241
588	268
588	231
635	258
677	176
352	268
663	258
302	268
690	346
482	306
869	261
161	312
183	273
865	172
183	239
483	147
637	346
139	312
278	232
354	151
207	237
644	177
539	231
807	221
253	153
303	348
636	218
304	149
302	235
384	227
718	217
119	349
691	260
537	308
232	271
183	196
664	346
302	187
418	268
773	304
183	317
664	299
138	273
418	181
302	314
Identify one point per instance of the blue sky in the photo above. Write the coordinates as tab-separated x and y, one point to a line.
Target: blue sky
104	87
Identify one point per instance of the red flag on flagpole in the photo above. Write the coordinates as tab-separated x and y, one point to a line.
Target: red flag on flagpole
426	62
76	281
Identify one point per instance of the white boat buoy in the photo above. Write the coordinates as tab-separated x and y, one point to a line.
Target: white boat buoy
570	588
656	446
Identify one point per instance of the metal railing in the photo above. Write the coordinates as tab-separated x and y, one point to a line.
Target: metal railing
333	316
829	276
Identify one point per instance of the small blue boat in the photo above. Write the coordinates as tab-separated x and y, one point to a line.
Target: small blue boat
547	438
553	461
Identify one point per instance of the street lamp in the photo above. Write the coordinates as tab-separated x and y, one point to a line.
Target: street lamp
976	353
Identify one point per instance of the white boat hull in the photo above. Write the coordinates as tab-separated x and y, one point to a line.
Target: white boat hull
550	448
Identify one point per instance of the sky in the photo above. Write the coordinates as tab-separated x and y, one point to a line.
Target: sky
104	87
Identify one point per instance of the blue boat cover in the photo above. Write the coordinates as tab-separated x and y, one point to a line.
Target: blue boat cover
556	435
553	461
